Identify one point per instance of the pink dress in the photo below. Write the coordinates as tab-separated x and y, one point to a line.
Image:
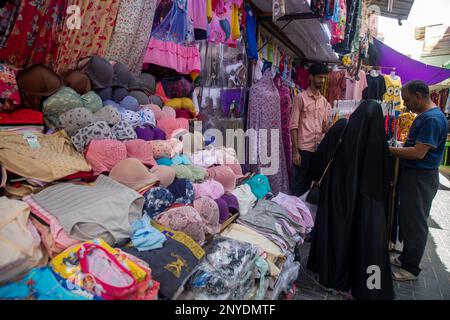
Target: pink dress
171	44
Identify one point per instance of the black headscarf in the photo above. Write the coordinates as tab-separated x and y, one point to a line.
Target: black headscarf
350	228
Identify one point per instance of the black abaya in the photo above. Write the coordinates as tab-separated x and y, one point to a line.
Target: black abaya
350	236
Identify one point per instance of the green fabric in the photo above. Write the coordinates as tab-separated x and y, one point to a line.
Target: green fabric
92	101
64	100
189	172
260	185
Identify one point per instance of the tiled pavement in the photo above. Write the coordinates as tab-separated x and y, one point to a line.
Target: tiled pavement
433	282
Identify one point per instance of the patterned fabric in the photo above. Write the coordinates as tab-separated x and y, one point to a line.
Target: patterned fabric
190	172
92	101
157	200
170	42
9	92
162	10
131	33
8	15
209	211
285	104
177	88
140	118
318	7
98	130
162	149
264	113
75	119
123	131
182	190
103	155
185	219
140	150
108	114
33	38
65	99
97	20
209	188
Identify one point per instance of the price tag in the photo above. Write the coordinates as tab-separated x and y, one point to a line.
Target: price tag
32	140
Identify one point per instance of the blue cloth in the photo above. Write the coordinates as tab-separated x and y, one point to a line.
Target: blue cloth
145	237
181	159
164	162
430	128
182	190
260	185
175	27
130	103
42	284
251	43
157	200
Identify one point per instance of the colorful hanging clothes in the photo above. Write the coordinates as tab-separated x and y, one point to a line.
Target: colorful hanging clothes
285	109
9	92
171	41
393	91
224	26
132	33
33	39
338	21
336	86
9	10
97	20
264	113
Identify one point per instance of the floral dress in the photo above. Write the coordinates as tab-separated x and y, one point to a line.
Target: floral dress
98	19
132	33
34	37
264	113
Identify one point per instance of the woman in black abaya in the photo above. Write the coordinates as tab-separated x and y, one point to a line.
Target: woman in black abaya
349	249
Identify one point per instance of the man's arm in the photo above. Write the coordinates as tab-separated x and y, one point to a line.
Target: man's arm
418	152
293	126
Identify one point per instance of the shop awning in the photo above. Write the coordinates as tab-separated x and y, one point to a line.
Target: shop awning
409	69
307	32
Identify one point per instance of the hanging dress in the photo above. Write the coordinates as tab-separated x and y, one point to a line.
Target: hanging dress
264	113
171	41
285	109
97	23
33	38
132	33
9	10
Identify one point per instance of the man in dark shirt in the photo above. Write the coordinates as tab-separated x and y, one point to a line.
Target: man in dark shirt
420	157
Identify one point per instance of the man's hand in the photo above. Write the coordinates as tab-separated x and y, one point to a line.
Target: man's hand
296	158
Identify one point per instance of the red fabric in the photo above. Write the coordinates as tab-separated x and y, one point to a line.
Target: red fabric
33	39
184	113
23	116
303	78
86	176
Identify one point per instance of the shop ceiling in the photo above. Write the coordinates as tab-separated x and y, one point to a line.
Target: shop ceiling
300	30
396	9
308	35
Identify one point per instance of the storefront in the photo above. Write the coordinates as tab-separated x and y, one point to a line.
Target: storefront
134	163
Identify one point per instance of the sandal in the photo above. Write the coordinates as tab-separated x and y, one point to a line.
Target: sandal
403	275
395	261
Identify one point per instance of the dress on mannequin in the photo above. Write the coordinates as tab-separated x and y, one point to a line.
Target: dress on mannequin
264	113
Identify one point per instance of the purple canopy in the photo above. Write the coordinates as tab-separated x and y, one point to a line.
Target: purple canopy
409	69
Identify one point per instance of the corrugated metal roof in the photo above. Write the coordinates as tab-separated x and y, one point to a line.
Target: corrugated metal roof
400	8
309	35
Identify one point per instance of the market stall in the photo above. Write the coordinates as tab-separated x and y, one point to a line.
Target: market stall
119	179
